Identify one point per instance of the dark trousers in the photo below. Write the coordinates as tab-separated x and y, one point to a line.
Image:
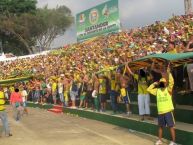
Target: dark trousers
113	96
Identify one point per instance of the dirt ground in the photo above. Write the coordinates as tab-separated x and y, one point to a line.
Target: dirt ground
41	127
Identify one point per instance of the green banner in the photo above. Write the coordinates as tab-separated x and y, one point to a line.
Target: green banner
99	20
14	80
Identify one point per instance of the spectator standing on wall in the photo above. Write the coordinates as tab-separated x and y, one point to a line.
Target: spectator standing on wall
143	95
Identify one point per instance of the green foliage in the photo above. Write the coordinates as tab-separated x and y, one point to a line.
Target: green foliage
15	17
23	25
17	6
52	22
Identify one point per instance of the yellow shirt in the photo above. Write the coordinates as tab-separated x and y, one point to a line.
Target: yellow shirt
142	85
66	96
2	101
102	86
54	87
113	85
1	95
123	92
11	89
174	51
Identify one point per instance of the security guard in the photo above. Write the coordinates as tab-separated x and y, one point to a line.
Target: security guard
3	114
163	90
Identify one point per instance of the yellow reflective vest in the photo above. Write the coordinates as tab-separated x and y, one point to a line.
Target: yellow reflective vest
2	101
164	101
164	98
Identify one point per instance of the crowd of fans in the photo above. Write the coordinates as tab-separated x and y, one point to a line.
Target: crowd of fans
71	72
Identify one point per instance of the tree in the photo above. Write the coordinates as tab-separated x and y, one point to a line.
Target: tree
24	25
51	23
21	28
17	6
14	15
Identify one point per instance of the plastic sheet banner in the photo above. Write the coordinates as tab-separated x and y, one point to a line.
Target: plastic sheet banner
14	80
161	59
99	20
190	75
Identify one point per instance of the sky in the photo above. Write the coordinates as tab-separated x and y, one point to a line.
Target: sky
133	13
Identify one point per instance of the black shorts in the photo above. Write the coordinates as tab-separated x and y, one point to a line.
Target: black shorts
88	96
166	120
103	98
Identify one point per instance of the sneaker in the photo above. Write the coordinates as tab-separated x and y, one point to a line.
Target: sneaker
17	121
142	119
73	107
150	118
113	113
172	143
159	142
9	135
128	113
80	108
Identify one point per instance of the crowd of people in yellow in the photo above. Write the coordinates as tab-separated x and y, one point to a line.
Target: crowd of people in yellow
74	71
106	51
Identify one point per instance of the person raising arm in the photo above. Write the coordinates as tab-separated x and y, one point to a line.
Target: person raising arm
163	92
143	95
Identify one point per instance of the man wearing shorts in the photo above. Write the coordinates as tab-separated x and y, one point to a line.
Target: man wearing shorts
165	107
124	92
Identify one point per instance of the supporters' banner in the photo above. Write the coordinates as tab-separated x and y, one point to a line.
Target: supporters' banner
190	74
14	80
102	19
161	59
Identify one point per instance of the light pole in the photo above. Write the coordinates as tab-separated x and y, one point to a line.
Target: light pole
1	46
188	6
